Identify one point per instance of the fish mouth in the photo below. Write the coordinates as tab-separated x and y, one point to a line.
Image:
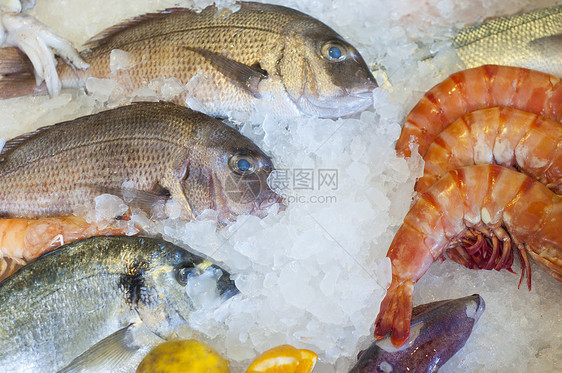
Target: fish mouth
209	286
363	93
346	103
343	106
225	285
480	306
269	199
364	90
266	203
349	102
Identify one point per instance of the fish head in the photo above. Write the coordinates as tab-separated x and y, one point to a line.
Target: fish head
188	282
235	178
323	74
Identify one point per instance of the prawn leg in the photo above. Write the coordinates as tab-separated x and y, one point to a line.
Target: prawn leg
511	210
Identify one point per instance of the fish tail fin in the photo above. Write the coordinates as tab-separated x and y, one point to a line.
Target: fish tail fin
17	76
396	313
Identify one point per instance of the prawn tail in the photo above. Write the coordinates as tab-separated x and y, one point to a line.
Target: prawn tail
17	76
395	313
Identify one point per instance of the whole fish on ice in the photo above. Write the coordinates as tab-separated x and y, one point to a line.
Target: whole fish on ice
165	150
438	331
258	56
98	303
532	40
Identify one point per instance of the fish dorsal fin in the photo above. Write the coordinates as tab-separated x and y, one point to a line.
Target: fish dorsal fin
17	141
109	33
247	77
110	354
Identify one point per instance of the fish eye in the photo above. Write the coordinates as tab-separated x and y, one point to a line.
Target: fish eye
184	273
334	52
242	164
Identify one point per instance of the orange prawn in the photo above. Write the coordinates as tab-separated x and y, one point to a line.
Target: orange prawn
23	240
478	88
481	212
504	136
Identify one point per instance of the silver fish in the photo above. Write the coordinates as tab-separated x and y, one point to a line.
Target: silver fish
438	331
532	40
93	304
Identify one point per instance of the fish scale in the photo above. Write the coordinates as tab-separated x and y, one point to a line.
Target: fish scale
532	40
227	62
205	31
57	308
165	149
258	57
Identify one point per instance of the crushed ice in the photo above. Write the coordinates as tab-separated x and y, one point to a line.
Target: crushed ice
314	275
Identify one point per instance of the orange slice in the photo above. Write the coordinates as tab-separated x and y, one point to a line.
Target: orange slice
284	359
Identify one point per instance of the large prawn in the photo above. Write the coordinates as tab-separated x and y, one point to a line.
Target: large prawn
478	88
504	136
23	240
481	212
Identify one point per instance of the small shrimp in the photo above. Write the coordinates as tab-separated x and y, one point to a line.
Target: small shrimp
504	136
23	240
487	203
479	88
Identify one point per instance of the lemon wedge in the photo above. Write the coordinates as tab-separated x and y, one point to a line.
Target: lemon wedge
189	356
